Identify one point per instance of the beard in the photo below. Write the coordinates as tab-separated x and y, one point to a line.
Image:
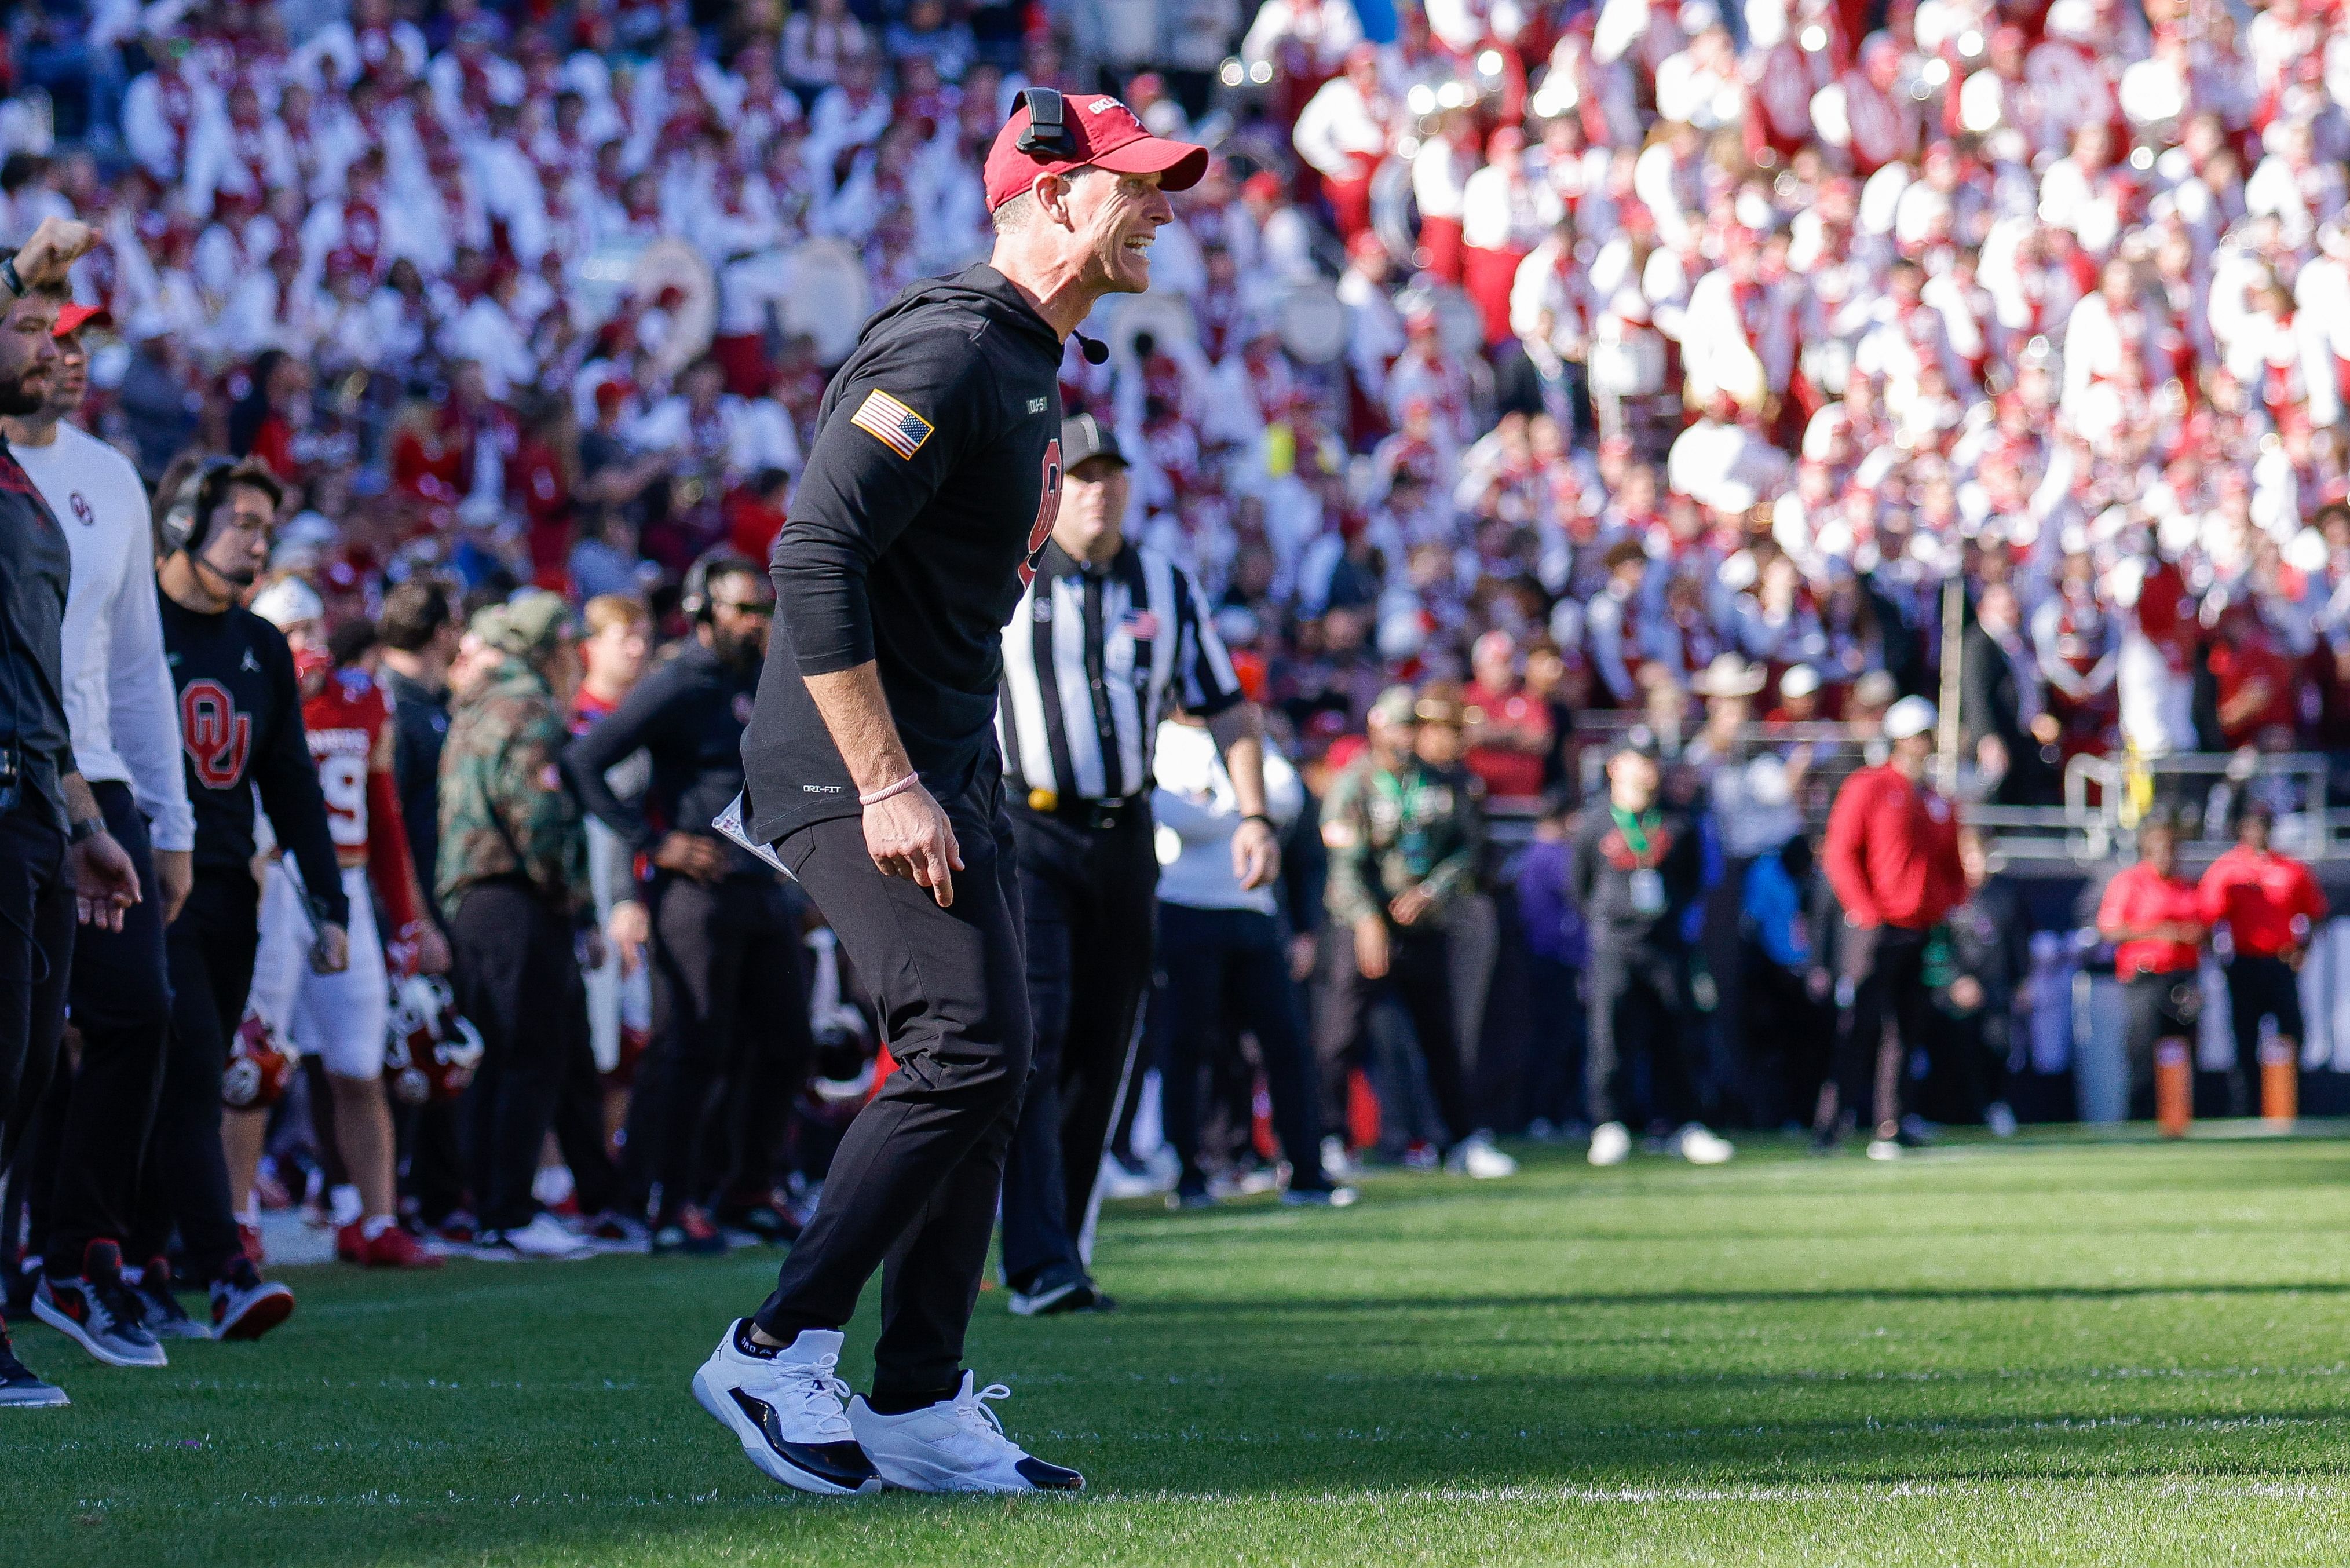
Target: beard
743	651
19	396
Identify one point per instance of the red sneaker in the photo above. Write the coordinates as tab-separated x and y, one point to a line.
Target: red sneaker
396	1249
351	1244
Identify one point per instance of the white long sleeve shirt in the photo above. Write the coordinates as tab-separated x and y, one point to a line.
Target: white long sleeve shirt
121	703
1198	814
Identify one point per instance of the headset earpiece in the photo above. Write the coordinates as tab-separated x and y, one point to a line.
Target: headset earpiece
1048	126
189	520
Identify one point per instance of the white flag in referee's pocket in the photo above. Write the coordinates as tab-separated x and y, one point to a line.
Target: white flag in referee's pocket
729	822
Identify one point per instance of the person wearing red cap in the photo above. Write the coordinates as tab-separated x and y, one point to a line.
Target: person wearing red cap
871	774
1892	858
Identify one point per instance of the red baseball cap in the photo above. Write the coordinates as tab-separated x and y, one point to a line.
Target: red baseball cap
1105	134
73	317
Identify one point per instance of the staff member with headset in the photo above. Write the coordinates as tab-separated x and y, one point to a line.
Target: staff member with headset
240	727
1102	641
730	1005
57	858
872	773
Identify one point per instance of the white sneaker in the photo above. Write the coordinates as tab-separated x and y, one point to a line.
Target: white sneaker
1338	1165
1475	1158
1611	1144
785	1406
1695	1144
955	1444
544	1237
2000	1118
1885	1148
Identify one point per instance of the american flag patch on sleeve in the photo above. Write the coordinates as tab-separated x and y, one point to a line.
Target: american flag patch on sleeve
891	423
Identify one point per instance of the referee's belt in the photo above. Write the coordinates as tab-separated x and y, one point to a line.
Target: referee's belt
1095	813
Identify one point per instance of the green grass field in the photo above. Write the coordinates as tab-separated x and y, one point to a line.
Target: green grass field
2062	1350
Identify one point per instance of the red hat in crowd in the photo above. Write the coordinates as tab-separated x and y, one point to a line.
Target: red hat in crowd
1103	133
72	319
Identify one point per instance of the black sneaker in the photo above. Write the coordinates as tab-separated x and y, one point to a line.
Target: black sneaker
1058	1292
771	1223
166	1318
687	1231
99	1311
245	1305
20	1390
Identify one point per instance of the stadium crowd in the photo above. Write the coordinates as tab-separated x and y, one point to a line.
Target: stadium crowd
1535	393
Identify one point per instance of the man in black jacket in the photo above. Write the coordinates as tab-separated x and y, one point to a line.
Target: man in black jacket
2003	707
240	727
730	1004
872	770
1635	869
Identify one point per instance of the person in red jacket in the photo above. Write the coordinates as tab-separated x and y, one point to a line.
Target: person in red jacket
2271	906
2155	920
1892	858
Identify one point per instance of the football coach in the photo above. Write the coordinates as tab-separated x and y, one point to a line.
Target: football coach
871	767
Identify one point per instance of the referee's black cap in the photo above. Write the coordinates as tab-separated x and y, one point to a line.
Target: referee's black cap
1084	438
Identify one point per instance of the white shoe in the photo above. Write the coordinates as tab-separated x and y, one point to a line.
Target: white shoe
1695	1144
544	1237
1338	1165
1885	1148
955	1444
1475	1158
785	1409
1611	1144
2000	1118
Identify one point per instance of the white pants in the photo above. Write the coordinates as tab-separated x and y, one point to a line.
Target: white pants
338	1017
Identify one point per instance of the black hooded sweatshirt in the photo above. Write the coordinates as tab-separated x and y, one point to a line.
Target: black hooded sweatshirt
930	493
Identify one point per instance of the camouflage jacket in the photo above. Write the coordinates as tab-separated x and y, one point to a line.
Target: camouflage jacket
503	805
1386	832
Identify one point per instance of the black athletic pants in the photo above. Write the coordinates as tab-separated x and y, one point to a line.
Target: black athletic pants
517	979
1419	980
208	951
1640	1007
122	1009
1229	969
2260	986
1089	896
2160	1007
913	1185
731	1041
1882	1009
37	945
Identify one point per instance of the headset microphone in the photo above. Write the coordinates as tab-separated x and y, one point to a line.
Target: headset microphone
1095	351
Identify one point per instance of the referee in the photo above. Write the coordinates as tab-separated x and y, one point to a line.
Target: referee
1108	633
871	769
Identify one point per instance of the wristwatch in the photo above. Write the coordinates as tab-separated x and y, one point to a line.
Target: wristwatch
88	828
1269	826
8	276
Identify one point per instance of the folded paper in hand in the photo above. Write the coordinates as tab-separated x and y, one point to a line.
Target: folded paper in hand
729	822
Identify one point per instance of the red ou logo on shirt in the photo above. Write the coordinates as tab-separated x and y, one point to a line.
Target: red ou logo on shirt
1048	511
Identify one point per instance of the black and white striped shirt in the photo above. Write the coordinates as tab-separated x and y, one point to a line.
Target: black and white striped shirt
1091	659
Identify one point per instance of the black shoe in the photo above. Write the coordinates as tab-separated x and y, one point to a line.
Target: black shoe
687	1229
99	1311
768	1222
1058	1292
17	1285
1824	1142
20	1390
166	1318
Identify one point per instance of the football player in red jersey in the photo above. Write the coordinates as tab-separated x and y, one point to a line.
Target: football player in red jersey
342	1017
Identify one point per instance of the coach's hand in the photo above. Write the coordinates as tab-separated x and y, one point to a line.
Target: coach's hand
105	883
908	835
690	855
1371	947
629	928
1256	852
54	246
331	953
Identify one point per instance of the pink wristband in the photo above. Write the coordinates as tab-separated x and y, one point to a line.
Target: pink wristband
877	796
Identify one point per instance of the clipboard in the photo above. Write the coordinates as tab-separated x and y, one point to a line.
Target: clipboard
729	823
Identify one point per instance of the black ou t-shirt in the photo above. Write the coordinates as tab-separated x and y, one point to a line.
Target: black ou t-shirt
931	490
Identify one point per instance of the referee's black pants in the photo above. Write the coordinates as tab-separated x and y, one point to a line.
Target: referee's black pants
37	945
1883	1010
516	974
913	1185
731	1040
1641	1009
208	951
1227	969
122	1009
1089	894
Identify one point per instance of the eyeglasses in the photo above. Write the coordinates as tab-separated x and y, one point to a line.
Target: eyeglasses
762	607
